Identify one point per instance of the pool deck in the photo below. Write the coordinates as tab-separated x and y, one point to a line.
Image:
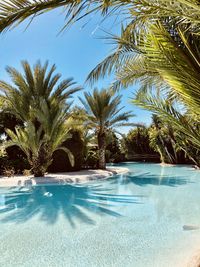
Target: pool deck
62	178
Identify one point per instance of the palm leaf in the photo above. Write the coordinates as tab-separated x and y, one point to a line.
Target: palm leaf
69	154
164	109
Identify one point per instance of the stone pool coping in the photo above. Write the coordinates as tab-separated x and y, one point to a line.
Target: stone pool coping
62	178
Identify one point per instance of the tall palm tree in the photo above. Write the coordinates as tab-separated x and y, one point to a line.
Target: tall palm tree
42	106
104	113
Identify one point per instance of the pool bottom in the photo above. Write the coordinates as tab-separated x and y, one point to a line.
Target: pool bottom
118	222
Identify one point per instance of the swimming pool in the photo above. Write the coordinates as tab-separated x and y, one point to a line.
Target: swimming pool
138	219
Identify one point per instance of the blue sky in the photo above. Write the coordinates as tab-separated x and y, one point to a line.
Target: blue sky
75	51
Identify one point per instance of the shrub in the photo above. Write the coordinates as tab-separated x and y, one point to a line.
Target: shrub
60	159
92	160
17	164
9	172
27	172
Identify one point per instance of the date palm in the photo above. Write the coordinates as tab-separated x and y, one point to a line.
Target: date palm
22	97
103	114
40	144
41	104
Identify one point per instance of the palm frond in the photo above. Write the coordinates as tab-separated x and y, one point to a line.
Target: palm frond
186	12
103	109
69	154
164	109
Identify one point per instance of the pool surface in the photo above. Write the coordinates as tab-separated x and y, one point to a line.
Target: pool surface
140	219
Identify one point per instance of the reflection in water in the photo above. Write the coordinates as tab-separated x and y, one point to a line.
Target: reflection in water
144	179
81	202
73	201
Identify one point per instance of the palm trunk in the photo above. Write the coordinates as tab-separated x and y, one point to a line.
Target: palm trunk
166	157
102	150
38	172
41	162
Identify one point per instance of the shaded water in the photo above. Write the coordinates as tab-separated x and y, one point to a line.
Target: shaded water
138	219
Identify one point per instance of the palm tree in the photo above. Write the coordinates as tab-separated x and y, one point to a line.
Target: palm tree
39	145
103	114
42	106
23	96
160	140
16	11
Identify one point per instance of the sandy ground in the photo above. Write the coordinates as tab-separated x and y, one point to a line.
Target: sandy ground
61	178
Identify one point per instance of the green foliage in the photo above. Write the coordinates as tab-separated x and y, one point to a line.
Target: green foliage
186	12
3	153
113	151
42	106
103	111
61	161
184	124
168	141
92	159
13	158
137	141
16	11
160	139
8	121
160	142
162	55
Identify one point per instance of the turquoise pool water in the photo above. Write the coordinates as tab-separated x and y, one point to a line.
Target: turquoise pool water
132	220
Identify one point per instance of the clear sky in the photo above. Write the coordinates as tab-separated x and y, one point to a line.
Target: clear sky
75	51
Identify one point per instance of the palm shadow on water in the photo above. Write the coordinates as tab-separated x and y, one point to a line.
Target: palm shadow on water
75	202
145	179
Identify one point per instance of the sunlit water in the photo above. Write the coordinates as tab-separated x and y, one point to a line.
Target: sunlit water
132	220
